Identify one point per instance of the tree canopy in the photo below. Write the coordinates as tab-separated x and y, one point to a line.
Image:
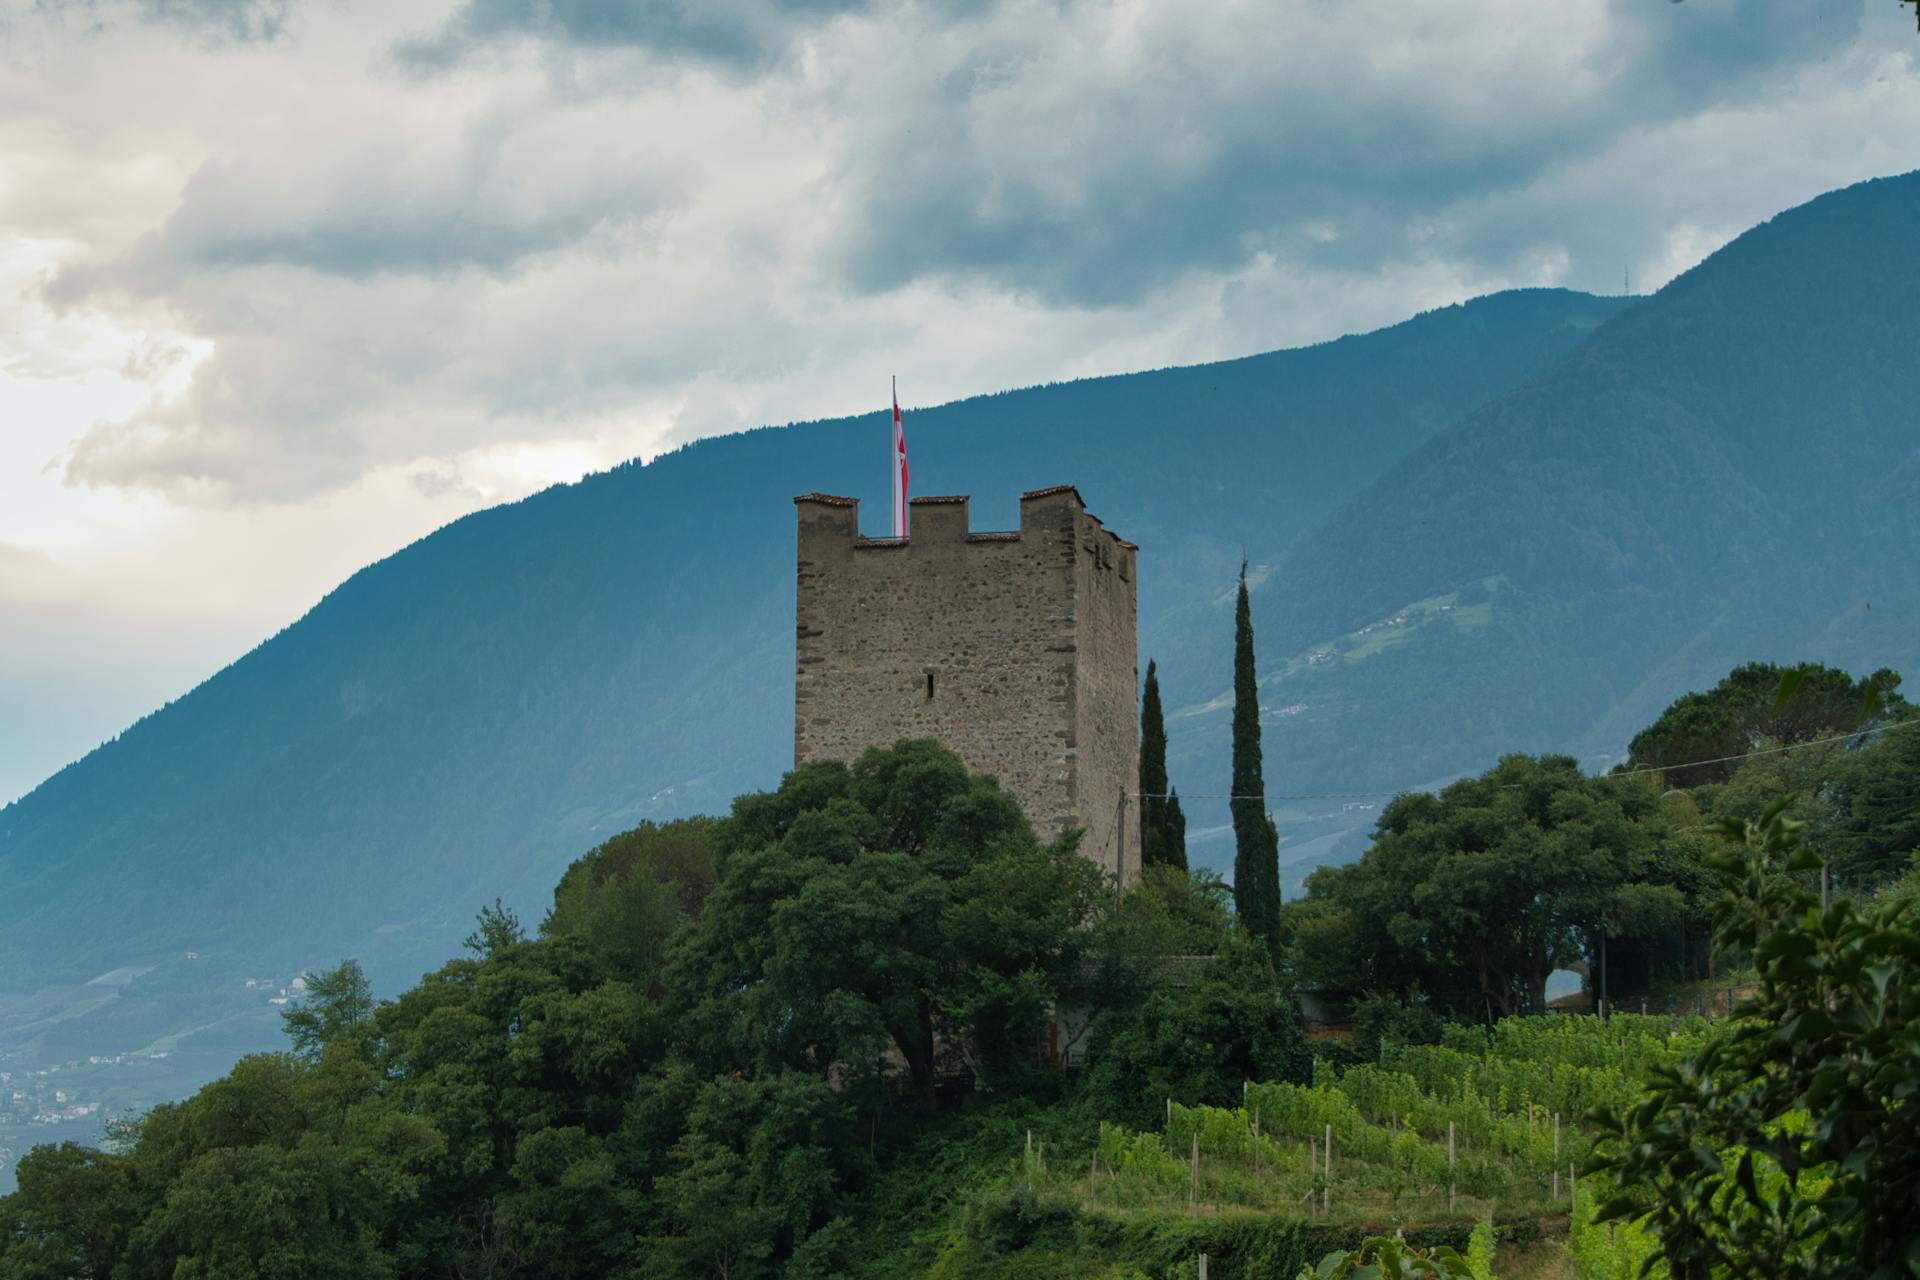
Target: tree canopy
721	1052
1756	705
338	1007
719	1037
897	907
1477	894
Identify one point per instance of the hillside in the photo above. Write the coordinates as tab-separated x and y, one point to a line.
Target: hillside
461	719
1724	472
1481	530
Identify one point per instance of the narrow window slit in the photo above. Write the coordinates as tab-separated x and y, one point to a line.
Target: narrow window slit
929	686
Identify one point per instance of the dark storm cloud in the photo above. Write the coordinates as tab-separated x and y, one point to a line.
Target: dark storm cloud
244	20
434	266
739	32
1038	164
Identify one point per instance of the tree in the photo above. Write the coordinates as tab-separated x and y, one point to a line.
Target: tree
1789	1146
901	905
283	1167
1163	831
1476	895
338	1007
1857	793
1756	704
1380	1019
495	929
1165	919
724	1229
524	1062
1256	857
1874	826
750	1167
1323	939
1198	1039
626	897
70	1217
266	1211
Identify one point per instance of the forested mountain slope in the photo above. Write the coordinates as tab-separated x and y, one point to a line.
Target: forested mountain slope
1727	471
463	718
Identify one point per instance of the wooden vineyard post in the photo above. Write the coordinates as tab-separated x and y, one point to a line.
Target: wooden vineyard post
1326	1186
1203	1267
1256	1140
1193	1178
1556	1155
1313	1167
1450	1161
1093	1178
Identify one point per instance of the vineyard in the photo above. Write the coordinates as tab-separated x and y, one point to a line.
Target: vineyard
1489	1122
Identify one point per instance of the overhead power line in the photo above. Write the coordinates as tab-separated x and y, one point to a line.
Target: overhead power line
1624	773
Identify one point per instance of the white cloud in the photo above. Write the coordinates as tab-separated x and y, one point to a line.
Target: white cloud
280	294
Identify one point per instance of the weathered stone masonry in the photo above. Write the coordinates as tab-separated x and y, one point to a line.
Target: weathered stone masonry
1016	650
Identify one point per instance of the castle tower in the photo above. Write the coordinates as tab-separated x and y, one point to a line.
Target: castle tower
1014	650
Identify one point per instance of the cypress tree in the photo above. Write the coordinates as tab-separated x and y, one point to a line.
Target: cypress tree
1256	851
1153	772
1173	827
1160	843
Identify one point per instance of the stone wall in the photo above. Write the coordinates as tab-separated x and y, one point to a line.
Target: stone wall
1016	650
1106	684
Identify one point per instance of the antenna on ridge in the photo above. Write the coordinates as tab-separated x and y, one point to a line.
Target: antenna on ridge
1626	281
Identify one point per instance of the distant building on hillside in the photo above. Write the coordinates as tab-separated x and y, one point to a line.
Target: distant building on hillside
1015	650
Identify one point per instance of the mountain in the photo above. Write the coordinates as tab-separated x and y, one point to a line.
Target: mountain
1526	523
461	719
1725	472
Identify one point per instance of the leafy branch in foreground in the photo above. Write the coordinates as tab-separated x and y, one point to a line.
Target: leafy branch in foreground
1391	1258
1790	1145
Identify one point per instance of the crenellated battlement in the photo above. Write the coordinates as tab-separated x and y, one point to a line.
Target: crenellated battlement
944	518
1014	648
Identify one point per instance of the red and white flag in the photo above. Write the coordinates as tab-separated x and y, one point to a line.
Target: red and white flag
899	470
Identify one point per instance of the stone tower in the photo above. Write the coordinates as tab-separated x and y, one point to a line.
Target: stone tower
1015	650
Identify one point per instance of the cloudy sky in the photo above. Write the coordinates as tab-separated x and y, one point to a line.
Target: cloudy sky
285	284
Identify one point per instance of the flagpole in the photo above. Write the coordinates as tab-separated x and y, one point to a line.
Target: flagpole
893	460
899	513
897	467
